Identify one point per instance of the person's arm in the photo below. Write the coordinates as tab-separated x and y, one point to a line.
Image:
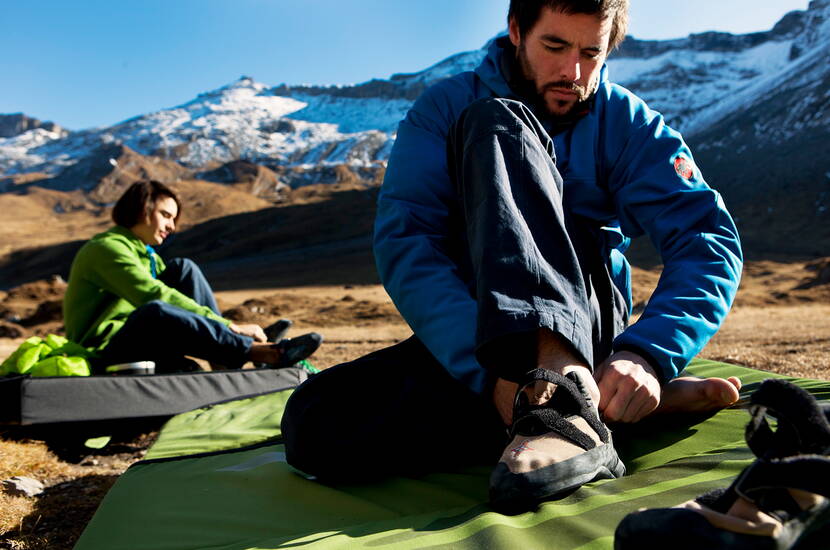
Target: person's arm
411	243
116	267
659	191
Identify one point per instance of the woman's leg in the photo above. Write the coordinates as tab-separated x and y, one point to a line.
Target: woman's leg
158	331
185	276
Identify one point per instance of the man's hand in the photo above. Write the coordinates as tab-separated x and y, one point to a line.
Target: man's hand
628	386
254	331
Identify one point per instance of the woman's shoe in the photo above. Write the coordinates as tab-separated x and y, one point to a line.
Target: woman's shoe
276	332
296	349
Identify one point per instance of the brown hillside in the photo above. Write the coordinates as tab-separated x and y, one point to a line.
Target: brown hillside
43	240
248	176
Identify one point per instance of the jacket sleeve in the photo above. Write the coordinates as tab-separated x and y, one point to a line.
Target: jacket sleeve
659	191
411	242
116	268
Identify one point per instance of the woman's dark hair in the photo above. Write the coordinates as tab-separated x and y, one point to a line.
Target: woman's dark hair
138	201
526	13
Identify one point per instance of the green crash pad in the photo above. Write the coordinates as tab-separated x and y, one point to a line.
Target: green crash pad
217	479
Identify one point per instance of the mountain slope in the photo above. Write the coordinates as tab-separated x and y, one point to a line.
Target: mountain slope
769	157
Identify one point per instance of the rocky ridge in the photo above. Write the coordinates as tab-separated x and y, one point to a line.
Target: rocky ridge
14	124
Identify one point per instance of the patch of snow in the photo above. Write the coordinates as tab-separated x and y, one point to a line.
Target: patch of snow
458	63
681	83
352	114
765	58
15	151
798	74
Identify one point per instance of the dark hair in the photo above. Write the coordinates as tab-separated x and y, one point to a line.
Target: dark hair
526	13
139	200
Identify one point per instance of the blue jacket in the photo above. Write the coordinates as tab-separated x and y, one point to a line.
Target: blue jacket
621	166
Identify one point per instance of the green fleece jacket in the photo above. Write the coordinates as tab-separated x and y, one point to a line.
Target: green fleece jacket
110	277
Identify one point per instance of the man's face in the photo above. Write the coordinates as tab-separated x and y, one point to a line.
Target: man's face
159	223
561	56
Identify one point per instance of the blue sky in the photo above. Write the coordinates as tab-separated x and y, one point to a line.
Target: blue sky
87	63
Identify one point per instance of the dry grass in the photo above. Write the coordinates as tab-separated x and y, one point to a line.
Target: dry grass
55	519
15	511
31	459
791	340
75	482
780	322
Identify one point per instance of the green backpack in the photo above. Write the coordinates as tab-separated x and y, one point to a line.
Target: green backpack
50	356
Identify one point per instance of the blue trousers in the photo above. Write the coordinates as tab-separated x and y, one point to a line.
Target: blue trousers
535	265
160	332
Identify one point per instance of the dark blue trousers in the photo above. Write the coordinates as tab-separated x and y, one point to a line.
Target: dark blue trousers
160	332
535	265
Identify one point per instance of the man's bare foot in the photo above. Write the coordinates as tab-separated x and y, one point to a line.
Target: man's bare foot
553	353
556	354
689	394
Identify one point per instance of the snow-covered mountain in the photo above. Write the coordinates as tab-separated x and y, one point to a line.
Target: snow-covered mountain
766	147
697	82
243	120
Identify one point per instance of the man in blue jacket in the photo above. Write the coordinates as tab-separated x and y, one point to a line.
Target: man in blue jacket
510	195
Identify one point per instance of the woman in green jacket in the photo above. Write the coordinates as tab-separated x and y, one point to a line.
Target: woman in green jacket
127	304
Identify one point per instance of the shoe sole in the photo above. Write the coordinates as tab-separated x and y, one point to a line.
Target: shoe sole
514	493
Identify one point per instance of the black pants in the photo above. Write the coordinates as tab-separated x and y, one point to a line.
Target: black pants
535	264
394	411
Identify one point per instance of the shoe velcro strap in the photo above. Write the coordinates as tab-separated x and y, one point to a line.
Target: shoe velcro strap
763	481
545	420
803	427
567	400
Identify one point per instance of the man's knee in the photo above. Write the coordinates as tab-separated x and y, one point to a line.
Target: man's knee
307	430
485	119
491	114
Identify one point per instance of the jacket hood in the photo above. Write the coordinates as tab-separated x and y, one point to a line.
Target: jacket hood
490	71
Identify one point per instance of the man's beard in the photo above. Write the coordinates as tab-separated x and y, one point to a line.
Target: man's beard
536	93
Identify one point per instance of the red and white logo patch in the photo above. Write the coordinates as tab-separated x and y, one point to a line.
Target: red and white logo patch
520	449
684	167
